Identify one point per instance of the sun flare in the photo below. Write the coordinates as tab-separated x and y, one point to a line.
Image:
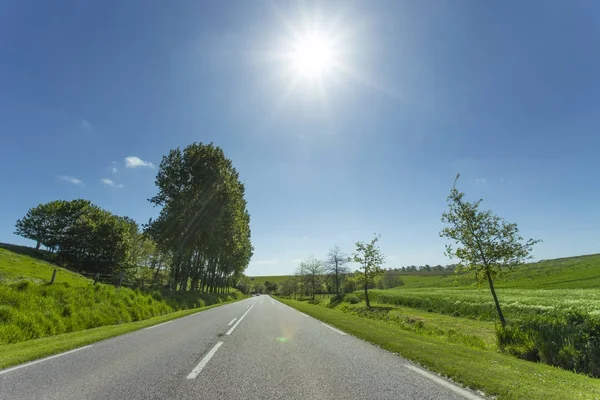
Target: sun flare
312	56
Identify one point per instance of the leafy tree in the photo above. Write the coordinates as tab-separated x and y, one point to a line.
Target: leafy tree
487	244
370	258
203	223
34	225
270	287
336	265
288	287
313	269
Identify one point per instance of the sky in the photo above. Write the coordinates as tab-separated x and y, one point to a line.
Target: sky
94	93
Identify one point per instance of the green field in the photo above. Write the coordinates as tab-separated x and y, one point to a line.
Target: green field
16	267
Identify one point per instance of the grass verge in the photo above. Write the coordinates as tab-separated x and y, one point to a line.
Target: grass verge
489	371
18	353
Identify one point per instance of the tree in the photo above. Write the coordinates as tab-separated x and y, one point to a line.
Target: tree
335	265
288	287
34	225
487	244
270	287
370	258
313	270
204	223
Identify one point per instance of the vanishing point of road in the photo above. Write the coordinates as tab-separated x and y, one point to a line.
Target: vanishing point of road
257	348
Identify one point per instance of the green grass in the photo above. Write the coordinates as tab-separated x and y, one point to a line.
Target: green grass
494	373
30	311
517	304
277	279
18	353
17	267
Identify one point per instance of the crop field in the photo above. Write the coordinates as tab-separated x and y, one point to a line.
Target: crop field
517	304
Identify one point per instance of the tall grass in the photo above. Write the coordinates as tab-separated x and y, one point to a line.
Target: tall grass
29	310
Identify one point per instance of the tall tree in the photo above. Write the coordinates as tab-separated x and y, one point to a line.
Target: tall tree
203	222
487	244
313	270
370	258
336	265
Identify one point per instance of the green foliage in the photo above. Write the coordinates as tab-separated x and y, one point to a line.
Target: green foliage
389	280
29	310
370	258
203	223
486	243
352	299
570	341
84	236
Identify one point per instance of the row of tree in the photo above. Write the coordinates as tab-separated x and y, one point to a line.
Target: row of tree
204	224
201	237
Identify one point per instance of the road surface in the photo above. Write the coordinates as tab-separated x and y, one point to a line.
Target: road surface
257	348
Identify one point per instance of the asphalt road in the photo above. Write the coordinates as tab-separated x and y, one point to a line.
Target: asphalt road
269	351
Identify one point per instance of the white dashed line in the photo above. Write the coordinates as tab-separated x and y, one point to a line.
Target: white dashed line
239	320
232	321
43	359
333	329
466	394
204	361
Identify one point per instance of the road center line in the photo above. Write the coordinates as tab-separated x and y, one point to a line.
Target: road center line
465	393
333	329
204	361
43	359
239	320
154	326
232	321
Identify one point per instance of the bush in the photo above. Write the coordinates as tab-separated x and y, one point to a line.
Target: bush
29	311
571	341
352	299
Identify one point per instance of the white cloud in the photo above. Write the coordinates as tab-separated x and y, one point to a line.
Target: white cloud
482	181
114	167
134	162
264	262
71	179
110	182
297	260
85	124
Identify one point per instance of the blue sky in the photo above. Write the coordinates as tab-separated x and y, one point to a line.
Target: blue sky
506	93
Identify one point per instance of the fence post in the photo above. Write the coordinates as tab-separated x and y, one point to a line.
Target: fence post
53	276
121	276
96	277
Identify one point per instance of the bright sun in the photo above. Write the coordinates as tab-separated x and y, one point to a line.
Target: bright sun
312	56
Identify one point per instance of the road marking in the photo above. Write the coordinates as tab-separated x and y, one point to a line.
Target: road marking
232	321
465	393
333	329
239	320
204	361
43	359
154	326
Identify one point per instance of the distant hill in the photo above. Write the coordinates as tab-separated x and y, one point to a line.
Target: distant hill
580	272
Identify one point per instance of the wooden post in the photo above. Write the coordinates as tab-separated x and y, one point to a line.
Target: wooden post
96	277
53	276
121	276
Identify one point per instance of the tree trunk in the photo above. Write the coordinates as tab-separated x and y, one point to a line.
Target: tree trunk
502	320
337	281
37	245
367	289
